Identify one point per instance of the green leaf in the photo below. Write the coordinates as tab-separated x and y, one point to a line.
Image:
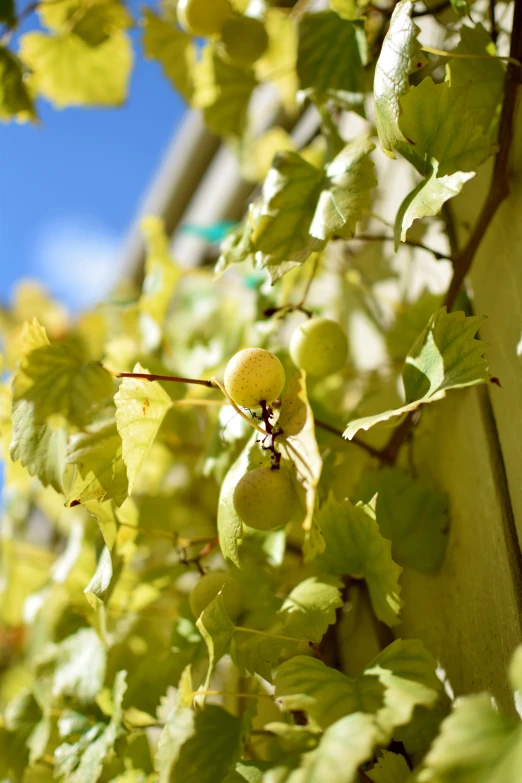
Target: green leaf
229	525
408	672
477	744
426	200
410	320
223	90
15	99
347	9
461	7
355	546
327	695
248	772
390	768
400	678
441	130
56	379
331	56
299	446
93	20
259	653
108	570
28	717
237	246
216	628
180	726
445	356
483	78
172	48
282	229
7	11
69	72
141	406
346	192
200	746
41	448
161	272
310	608
303	207
344	746
78	665
411	514
100	473
83	761
400	55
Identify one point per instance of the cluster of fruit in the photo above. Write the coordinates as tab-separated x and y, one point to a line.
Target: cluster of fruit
243	39
265	498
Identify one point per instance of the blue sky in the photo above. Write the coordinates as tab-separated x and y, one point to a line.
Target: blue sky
70	187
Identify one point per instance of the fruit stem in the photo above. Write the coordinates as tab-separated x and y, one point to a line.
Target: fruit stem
215	382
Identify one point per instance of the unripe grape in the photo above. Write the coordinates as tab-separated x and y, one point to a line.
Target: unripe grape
244	39
207	588
319	346
254	375
203	17
265	499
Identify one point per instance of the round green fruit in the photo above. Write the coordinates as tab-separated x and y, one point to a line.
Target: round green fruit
319	347
244	39
207	588
254	375
265	499
203	17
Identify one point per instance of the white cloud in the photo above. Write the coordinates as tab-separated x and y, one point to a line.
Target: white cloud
79	259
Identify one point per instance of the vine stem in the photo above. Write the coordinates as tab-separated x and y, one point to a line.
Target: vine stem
171	378
301	303
412	242
499	190
378	453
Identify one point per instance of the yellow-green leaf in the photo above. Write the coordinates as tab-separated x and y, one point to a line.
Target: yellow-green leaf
355	546
99	470
56	379
16	101
141	407
172	48
69	72
223	90
161	271
400	55
445	356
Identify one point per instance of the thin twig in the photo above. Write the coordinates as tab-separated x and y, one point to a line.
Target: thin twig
362	445
412	242
499	188
493	21
313	273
